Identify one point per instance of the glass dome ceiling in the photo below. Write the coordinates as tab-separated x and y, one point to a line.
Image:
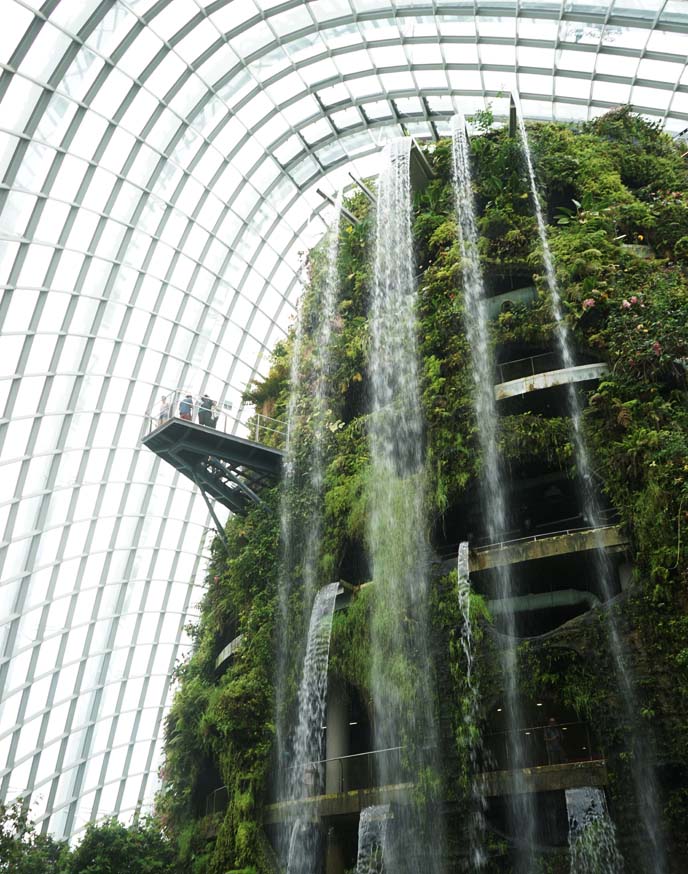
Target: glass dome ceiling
159	164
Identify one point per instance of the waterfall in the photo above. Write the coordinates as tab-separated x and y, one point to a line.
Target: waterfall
288	539
301	532
402	681
643	772
322	354
521	808
306	771
372	836
592	837
471	710
562	333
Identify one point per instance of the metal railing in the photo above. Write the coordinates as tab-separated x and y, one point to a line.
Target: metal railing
521	367
359	770
266	425
556	744
338	774
609	516
532	538
217	801
179	403
229	650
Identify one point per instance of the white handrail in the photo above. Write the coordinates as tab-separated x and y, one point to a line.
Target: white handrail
534	537
173	404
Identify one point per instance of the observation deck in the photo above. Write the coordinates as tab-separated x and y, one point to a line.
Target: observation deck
230	469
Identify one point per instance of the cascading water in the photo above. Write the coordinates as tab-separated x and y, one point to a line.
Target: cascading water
372	837
401	665
643	772
471	710
322	354
301	534
306	772
592	836
288	540
493	502
562	333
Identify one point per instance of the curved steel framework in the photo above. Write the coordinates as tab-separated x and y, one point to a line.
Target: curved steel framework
159	162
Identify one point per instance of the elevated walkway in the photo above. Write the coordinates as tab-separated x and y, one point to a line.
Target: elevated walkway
544	601
525	295
546	545
228	651
420	171
339	804
549	379
545	778
230	469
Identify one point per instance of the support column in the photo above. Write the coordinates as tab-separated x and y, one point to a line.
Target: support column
625	575
334	861
337	738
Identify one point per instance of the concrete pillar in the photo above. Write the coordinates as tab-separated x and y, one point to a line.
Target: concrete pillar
337	737
625	575
334	860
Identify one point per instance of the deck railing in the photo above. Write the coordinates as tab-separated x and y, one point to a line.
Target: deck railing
340	774
218	417
532	538
521	367
553	744
359	770
217	801
554	528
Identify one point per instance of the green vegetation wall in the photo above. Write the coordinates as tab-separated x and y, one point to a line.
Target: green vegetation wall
614	190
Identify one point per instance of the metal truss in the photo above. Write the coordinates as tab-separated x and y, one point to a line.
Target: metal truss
158	172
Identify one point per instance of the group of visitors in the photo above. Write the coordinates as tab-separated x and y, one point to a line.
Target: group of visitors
205	407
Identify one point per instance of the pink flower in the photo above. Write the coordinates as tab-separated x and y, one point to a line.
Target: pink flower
588	302
626	304
657	347
634	299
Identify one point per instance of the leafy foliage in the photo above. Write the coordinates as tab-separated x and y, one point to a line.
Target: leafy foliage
614	192
108	847
23	850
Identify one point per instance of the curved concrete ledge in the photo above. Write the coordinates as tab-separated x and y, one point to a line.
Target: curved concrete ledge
549	379
639	250
544	601
339	804
524	295
545	546
546	778
228	651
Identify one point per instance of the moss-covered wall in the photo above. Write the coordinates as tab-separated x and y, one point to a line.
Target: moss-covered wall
615	196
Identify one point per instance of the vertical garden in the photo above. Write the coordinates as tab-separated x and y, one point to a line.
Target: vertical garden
614	195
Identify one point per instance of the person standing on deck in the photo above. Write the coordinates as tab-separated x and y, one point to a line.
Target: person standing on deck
186	407
164	413
205	412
